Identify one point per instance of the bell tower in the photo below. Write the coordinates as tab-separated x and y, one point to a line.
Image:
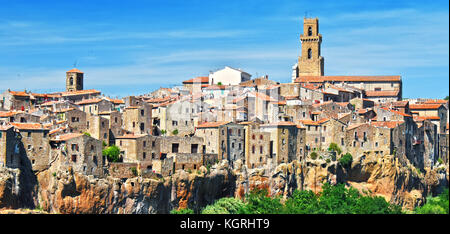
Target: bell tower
74	80
310	63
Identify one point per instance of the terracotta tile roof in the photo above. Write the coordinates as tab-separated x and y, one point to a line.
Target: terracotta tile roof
343	104
67	136
116	101
28	126
323	103
45	95
424	106
216	87
50	103
291	97
75	70
396	112
422	118
382	93
19	93
200	79
311	122
322	79
7	113
64	110
281	103
263	97
212	124
80	92
89	101
357	125
281	123
387	124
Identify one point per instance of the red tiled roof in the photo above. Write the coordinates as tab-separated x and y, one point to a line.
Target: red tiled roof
422	118
67	136
7	114
212	124
28	126
424	106
80	92
89	101
382	93
387	124
281	123
322	79
19	93
263	97
200	79
435	101
74	70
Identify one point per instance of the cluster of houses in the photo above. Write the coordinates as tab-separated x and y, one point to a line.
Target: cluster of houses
226	115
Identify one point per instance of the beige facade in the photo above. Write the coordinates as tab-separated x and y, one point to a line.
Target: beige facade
310	63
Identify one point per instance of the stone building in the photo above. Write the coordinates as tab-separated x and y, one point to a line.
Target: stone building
15	100
76	120
283	141
76	96
215	137
115	124
9	147
235	142
98	127
228	76
364	139
19	117
310	63
74	80
436	113
34	144
95	106
139	148
80	152
258	147
138	119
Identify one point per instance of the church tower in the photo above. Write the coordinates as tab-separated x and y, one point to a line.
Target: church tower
310	63
74	80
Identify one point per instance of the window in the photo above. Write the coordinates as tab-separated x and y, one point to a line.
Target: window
153	143
92	148
87	124
194	148
115	120
376	144
324	128
29	147
175	147
377	89
239	132
144	155
71	81
144	143
260	137
28	134
240	146
309	31
142	112
232	145
253	136
260	149
105	136
309	53
174	123
253	149
74	158
342	141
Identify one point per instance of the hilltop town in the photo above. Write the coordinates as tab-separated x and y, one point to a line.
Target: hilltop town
227	116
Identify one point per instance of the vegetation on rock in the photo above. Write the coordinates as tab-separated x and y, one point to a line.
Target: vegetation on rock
435	205
112	153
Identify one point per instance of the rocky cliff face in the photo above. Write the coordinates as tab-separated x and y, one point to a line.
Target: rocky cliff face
65	191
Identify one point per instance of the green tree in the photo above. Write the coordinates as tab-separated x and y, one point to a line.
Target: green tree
446	98
163	132
258	202
112	153
334	148
313	155
226	205
86	133
435	205
346	160
175	132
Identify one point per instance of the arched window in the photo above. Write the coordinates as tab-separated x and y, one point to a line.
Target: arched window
71	81
309	53
309	31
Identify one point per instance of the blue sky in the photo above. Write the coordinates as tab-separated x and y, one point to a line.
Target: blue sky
134	47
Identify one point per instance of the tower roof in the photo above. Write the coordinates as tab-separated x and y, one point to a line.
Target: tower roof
75	70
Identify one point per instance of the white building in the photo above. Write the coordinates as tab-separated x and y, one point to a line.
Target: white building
229	76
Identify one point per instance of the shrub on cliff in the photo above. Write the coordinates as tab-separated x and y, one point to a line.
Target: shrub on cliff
346	160
334	148
313	155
